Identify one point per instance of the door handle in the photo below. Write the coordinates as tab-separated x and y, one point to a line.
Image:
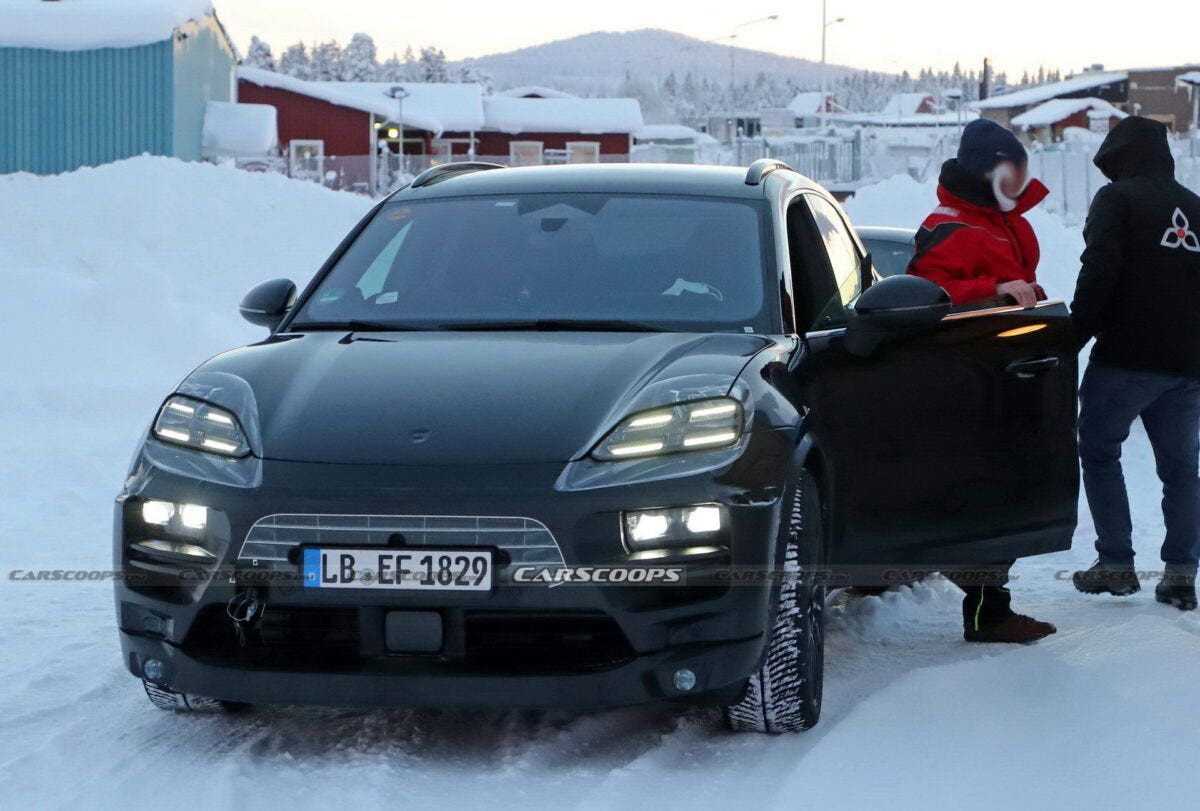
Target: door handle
1032	367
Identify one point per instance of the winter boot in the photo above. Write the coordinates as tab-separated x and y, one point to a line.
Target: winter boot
1016	628
1119	581
1178	590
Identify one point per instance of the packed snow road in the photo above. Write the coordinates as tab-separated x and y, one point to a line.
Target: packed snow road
117	280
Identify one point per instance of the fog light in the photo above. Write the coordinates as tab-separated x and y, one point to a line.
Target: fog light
193	516
699	520
153	669
174	548
684	679
157	512
678	526
647	526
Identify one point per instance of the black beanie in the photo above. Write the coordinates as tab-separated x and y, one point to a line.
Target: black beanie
985	144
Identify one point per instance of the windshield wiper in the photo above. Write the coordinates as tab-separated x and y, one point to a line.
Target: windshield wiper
553	325
353	326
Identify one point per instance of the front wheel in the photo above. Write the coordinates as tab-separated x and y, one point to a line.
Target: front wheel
784	694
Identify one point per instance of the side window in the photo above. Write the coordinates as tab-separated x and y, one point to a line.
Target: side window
843	259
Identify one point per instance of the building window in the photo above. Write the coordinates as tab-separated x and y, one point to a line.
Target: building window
583	151
306	160
525	153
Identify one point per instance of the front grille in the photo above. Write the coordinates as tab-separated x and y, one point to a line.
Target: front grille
271	539
282	636
545	643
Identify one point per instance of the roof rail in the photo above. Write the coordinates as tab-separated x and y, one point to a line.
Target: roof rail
436	173
761	168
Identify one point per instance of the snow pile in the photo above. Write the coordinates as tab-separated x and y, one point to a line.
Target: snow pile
436	107
239	130
118	280
515	115
1056	110
79	25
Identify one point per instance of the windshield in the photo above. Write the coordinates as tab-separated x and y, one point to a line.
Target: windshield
651	262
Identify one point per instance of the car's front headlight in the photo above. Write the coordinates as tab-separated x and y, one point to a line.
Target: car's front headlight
200	425
695	426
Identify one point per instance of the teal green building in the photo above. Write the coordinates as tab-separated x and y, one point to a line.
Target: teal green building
82	88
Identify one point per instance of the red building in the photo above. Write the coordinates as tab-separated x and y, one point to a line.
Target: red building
336	132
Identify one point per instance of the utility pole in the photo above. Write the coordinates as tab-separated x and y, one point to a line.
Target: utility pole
825	23
400	94
733	50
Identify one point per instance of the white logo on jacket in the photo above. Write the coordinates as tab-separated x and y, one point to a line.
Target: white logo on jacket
1180	234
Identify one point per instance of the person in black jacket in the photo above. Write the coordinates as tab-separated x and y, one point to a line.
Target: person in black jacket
1138	294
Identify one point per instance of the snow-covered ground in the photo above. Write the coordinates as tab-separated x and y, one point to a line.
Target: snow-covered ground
115	281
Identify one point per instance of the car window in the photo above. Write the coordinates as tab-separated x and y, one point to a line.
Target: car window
673	262
890	256
843	258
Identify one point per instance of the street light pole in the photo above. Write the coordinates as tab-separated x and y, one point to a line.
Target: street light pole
733	49
400	94
825	23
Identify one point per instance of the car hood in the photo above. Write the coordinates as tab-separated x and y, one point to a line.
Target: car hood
466	397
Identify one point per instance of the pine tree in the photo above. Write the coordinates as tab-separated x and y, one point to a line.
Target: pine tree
326	62
393	70
432	67
358	60
259	55
295	62
412	70
470	73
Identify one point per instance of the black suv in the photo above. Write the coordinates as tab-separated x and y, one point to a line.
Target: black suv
581	436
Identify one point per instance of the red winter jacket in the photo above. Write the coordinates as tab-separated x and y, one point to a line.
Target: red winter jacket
968	249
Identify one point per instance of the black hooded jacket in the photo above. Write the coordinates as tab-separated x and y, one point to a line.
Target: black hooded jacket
1139	290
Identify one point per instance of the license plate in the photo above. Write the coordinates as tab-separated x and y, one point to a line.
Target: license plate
405	569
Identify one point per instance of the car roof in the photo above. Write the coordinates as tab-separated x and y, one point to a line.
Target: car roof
887	233
623	178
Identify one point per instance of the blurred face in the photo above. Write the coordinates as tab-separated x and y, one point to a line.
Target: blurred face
1012	178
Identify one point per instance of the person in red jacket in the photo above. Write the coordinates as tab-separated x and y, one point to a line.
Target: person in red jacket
977	244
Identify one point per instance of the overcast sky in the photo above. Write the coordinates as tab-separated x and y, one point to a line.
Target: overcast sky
878	34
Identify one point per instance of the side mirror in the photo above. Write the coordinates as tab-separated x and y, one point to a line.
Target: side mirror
902	302
891	307
267	304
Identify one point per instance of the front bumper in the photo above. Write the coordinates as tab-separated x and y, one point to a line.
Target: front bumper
523	645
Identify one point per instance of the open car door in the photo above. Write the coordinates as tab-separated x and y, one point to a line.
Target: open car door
948	443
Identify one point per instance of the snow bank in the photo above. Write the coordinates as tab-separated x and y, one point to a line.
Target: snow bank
79	25
117	280
562	115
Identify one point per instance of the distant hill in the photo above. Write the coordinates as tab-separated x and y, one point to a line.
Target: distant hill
596	63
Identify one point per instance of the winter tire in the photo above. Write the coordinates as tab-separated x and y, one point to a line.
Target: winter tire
166	699
784	694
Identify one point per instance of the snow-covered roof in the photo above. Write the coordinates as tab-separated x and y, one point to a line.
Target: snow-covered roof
1056	110
83	25
434	107
903	104
535	91
593	116
239	130
809	103
666	132
1044	92
914	120
1192	77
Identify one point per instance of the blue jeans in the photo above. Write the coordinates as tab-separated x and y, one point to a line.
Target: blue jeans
1110	400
